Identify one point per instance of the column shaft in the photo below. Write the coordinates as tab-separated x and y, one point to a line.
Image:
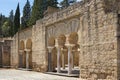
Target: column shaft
72	60
69	61
58	61
49	62
63	61
27	60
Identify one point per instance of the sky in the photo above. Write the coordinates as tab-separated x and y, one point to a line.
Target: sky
7	5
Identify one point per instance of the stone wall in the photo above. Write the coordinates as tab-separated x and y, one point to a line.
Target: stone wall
39	47
118	44
1	54
5	52
23	35
14	51
98	31
97	37
98	43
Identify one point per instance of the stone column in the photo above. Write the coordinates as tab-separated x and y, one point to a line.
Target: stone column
27	60
69	61
63	61
72	60
49	59
63	57
58	55
58	60
69	55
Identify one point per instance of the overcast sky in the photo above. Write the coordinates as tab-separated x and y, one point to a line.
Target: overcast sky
7	5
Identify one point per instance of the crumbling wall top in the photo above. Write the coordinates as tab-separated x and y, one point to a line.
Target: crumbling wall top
78	9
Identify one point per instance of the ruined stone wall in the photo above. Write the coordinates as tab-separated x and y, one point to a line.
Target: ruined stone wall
97	27
118	43
98	43
65	22
97	38
14	52
23	35
38	47
6	53
1	54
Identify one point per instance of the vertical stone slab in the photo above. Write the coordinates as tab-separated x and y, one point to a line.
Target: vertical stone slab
39	47
14	52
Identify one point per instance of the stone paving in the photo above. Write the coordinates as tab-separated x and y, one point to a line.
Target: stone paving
12	74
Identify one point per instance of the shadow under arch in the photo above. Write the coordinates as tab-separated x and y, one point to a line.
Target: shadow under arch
22	55
29	44
29	53
51	54
73	41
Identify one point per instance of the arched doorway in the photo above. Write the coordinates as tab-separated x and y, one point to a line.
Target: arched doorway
22	55
51	54
29	54
64	53
53	59
74	53
62	50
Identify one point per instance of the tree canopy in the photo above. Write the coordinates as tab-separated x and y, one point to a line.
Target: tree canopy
17	20
37	12
26	15
11	25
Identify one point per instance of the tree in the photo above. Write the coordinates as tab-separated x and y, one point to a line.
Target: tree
66	3
11	22
5	29
17	19
26	15
44	5
52	3
37	12
2	20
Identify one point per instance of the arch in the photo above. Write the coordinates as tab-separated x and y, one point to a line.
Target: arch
29	55
22	45
61	40
22	55
29	44
73	38
73	25
60	28
51	41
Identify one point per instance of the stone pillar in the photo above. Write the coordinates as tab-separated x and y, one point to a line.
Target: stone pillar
58	60
63	61
58	55
70	56
69	61
72	60
27	60
49	59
